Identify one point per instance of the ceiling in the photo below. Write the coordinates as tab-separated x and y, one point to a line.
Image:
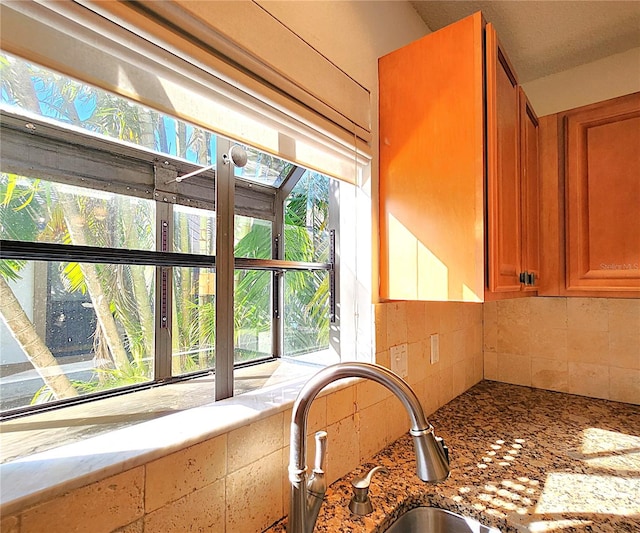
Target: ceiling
543	37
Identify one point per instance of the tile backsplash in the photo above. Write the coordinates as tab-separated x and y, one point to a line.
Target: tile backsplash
585	346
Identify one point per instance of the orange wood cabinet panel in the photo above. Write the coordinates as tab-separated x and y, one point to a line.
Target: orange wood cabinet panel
590	200
432	166
503	169
529	194
603	196
452	212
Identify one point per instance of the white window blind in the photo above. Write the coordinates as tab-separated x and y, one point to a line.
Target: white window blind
140	55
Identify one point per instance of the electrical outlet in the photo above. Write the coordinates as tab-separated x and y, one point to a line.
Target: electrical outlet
435	348
399	360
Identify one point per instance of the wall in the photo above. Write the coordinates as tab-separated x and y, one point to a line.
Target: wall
585	346
236	482
606	78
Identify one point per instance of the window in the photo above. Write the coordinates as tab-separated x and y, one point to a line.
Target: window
111	217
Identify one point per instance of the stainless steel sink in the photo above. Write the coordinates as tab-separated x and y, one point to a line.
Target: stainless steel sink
434	520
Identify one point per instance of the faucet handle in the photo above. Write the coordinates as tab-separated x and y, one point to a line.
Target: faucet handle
360	503
443	447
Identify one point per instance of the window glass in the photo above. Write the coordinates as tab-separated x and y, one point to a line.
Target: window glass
306	312
194	230
263	168
306	235
35	210
70	329
194	320
253	237
43	92
252	315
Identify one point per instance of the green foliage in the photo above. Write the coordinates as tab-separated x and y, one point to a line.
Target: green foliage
34	211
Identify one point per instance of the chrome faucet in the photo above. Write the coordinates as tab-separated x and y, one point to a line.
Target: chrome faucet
306	496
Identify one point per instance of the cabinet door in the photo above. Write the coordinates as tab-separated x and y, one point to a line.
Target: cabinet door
432	166
603	196
503	183
530	192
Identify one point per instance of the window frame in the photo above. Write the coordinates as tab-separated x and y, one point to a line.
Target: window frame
136	171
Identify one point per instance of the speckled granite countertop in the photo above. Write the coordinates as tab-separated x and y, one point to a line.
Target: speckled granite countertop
522	459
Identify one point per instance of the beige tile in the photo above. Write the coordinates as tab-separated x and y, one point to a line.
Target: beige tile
589	380
373	431
343	453
550	374
624	385
416	322
624	315
384	359
460	342
588	314
249	443
397	418
380	313
433	314
9	524
624	349
107	505
459	375
452	317
427	392
478	368
341	404
513	313
490	327
473	313
369	393
175	475
199	511
134	527
396	323
473	340
445	386
447	348
490	366
587	346
514	339
254	495
286	486
548	343
418	361
514	369
490	314
547	313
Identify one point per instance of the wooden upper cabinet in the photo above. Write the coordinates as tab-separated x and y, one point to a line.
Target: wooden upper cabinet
450	140
432	166
503	169
603	196
530	193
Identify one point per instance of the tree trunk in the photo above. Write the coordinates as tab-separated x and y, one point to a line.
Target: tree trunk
100	303
34	348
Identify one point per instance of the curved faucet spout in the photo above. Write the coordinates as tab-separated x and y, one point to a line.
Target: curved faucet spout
431	461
